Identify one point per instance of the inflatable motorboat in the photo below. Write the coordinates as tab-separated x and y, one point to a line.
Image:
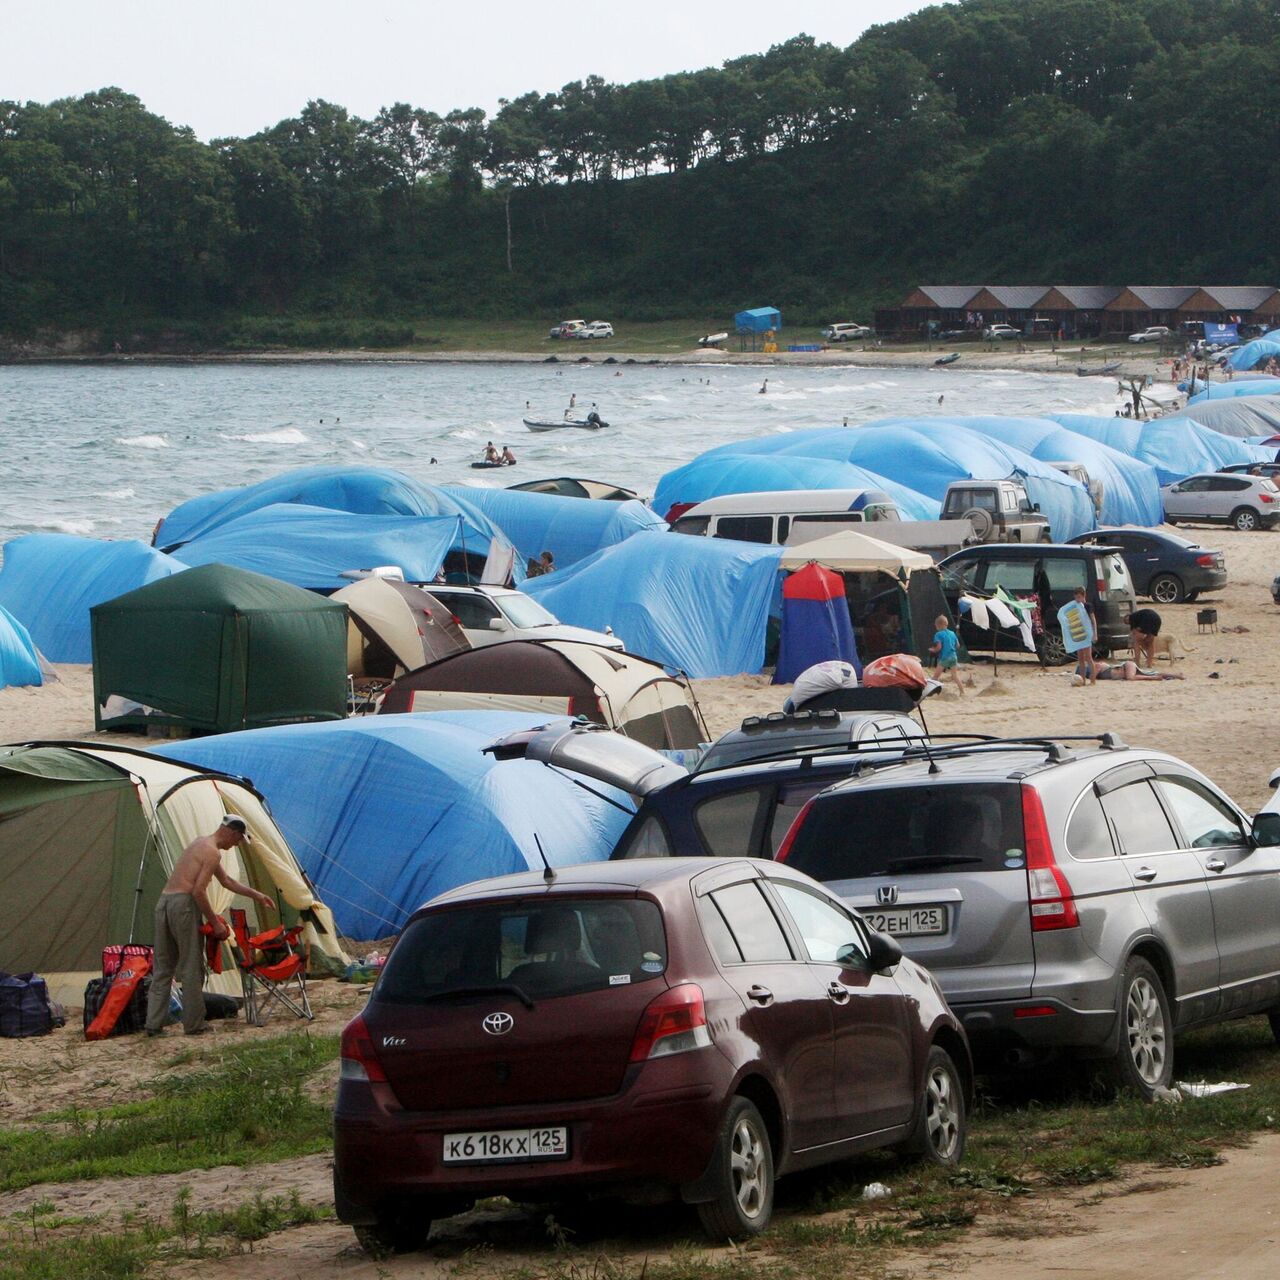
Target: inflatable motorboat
592	422
485	466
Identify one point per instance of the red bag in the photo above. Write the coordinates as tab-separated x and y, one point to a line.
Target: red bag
901	670
132	970
114	956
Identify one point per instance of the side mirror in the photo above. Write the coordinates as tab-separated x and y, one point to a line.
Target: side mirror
1035	506
883	952
499	624
1265	832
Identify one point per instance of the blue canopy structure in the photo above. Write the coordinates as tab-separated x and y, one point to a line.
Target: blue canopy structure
1238	387
697	604
758	320
312	546
19	662
726	470
372	491
1242	417
570	528
386	812
50	581
1254	353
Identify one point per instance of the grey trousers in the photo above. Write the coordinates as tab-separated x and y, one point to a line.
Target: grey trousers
178	953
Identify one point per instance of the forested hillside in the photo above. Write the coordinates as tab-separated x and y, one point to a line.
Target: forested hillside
993	140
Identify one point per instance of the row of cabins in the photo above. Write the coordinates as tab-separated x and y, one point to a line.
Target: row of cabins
1077	311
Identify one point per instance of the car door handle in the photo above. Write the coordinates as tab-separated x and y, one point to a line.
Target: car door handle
1145	874
761	995
1215	864
837	992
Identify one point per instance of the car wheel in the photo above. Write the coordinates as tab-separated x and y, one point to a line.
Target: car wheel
743	1199
1166	588
1145	1060
981	521
398	1233
939	1133
1050	650
1245	519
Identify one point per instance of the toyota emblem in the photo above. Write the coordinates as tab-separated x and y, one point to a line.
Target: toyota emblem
887	895
498	1024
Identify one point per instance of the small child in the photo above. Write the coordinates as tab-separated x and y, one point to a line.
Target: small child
947	648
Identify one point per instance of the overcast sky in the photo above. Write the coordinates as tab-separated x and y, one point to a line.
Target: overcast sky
237	66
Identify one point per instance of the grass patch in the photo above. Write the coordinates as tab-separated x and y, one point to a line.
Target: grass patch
245	1105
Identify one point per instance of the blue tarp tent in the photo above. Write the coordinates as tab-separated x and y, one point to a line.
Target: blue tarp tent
1239	387
385	812
697	604
758	320
50	581
727	470
569	528
19	663
815	624
373	491
1254	353
313	546
1240	418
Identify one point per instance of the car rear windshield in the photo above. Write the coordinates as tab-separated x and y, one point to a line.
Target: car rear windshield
913	830
536	950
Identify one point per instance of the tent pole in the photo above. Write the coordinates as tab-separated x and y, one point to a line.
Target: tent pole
152	822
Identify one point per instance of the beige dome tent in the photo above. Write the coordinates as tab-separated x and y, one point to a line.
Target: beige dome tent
394	627
88	836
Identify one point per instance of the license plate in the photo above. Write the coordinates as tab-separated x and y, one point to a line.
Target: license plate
489	1146
908	922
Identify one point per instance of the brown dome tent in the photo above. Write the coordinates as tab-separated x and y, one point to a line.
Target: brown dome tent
395	627
560	677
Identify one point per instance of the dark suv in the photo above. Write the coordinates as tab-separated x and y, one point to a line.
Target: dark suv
1048	574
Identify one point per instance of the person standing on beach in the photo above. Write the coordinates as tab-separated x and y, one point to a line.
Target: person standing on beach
946	651
182	902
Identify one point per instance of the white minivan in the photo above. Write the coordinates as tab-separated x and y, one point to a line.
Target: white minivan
784	515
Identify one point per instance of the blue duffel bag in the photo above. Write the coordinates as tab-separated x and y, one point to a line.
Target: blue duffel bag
24	1006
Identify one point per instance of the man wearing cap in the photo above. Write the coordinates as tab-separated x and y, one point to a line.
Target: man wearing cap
182	902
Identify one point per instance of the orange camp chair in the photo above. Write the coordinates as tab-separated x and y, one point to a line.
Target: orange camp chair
277	976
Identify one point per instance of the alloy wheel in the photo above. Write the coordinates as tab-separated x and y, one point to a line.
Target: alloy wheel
747	1167
942	1112
1145	1029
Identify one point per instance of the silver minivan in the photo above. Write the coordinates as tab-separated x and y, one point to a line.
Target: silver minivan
1095	898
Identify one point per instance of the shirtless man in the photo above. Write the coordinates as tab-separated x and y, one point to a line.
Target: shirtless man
183	900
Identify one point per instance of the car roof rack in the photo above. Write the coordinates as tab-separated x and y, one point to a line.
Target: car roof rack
806	754
1053	746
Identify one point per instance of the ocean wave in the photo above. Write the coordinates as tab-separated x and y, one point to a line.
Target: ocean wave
81	528
119	495
143	442
285	435
359	444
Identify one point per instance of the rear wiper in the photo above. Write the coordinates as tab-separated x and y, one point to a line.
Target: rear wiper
930	860
509	987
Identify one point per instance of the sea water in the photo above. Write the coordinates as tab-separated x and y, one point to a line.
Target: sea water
107	450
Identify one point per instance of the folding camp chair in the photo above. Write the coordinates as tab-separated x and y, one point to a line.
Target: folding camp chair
279	973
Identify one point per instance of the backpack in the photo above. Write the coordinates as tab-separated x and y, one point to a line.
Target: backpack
133	1017
25	1008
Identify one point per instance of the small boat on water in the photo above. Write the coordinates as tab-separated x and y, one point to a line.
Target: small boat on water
485	466
592	422
1102	371
951	359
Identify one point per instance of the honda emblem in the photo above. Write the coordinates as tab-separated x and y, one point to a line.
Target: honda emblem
498	1024
887	895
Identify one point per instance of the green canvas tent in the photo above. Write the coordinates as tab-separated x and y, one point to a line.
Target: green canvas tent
88	835
216	649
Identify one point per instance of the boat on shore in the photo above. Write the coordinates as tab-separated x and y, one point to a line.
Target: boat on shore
592	422
951	359
1102	371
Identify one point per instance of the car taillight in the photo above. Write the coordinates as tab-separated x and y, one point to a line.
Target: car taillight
1265	497
1101	585
1206	562
674	1022
1051	900
359	1058
784	850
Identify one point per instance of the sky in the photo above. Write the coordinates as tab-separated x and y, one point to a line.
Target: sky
233	67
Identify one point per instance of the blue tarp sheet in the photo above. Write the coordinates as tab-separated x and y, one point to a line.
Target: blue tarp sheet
50	581
19	664
570	528
697	604
385	812
1175	447
374	491
1254	353
1238	387
758	320
1240	418
313	546
728	469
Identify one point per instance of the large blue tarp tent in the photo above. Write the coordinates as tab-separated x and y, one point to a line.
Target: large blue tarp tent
1239	387
1175	447
1254	353
1241	418
815	624
758	320
385	812
50	581
373	491
726	470
313	546
697	604
569	528
19	663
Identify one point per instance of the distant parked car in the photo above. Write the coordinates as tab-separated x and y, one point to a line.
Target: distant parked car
1155	333
596	329
663	1029
1002	331
846	332
1244	502
566	328
999	510
1163	566
490	615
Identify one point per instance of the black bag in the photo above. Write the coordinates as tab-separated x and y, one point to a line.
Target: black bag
219	1006
24	1006
134	1016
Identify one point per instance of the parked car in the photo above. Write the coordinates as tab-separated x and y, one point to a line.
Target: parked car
675	1029
1166	568
1154	333
1079	472
566	328
490	615
846	332
596	329
999	511
1049	574
1244	502
1098	899
771	516
1000	331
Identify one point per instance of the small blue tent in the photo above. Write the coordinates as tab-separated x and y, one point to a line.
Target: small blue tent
386	812
758	320
569	528
19	662
815	624
700	605
313	546
50	581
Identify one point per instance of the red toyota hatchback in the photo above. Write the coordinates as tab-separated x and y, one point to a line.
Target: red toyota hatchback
648	1028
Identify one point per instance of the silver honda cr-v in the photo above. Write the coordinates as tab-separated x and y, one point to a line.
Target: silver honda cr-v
1096	898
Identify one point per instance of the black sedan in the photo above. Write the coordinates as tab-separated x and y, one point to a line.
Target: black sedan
1164	567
